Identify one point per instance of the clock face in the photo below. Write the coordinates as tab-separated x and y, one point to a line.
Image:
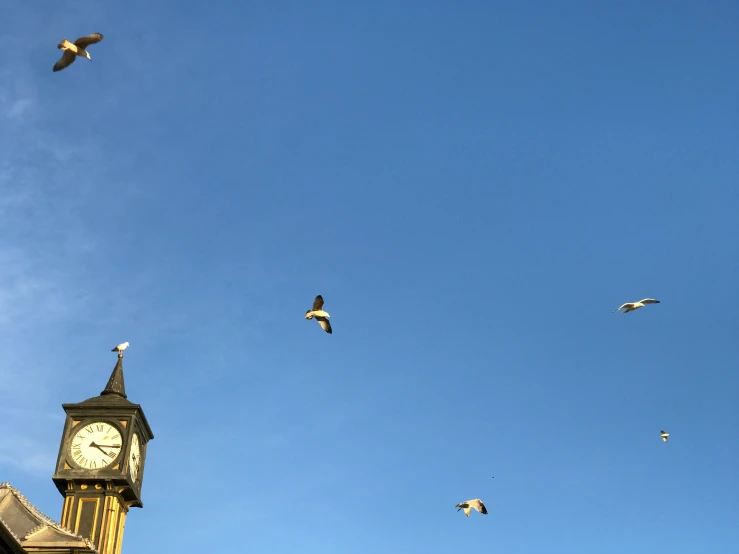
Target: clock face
134	457
95	445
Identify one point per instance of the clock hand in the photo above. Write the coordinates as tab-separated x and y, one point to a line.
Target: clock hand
109	445
93	445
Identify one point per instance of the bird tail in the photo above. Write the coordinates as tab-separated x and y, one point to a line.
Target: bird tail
114	349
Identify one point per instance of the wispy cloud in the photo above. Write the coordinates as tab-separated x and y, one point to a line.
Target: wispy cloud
19	108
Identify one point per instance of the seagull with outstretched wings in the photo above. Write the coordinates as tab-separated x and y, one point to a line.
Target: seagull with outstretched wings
631	306
467	506
321	316
664	435
76	48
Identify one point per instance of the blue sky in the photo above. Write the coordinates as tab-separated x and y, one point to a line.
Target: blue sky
473	187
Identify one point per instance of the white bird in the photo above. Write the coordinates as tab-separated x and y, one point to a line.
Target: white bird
664	435
321	316
631	306
467	505
121	347
74	49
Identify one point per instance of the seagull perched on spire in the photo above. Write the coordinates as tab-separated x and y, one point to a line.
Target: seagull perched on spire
120	348
467	505
631	306
321	316
664	435
74	49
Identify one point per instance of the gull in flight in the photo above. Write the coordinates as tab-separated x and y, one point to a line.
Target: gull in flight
74	49
631	306
467	505
664	435
121	347
321	316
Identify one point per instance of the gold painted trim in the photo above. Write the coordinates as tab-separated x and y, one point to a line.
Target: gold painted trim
124	422
121	525
94	517
65	510
105	525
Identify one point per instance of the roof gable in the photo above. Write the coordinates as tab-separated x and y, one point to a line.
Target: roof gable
28	527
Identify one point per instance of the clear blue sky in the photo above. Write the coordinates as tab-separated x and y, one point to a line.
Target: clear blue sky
473	187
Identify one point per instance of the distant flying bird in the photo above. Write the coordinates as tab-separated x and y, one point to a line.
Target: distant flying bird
467	505
664	435
631	306
121	347
321	316
74	49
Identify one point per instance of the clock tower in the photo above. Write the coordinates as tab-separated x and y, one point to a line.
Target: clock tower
100	468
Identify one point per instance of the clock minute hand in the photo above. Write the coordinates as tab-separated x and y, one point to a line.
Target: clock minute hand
109	445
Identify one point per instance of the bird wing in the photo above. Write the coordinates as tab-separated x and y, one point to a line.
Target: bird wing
649	301
627	305
478	505
84	42
325	324
67	58
318	303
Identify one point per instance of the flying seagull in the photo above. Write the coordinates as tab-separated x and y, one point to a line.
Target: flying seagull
321	316
467	505
631	306
121	347
74	49
664	435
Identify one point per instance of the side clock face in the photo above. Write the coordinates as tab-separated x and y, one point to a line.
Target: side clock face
95	445
134	457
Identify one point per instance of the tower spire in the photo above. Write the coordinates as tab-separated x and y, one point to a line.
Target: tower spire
115	383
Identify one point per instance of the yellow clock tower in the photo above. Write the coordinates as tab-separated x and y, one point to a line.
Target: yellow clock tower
100	467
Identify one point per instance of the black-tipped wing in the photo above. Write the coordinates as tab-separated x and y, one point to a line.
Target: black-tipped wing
318	303
325	324
67	58
482	509
84	42
649	301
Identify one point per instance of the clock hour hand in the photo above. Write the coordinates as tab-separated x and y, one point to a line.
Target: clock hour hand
93	445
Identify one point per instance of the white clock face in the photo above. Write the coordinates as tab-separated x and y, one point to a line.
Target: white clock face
95	445
134	457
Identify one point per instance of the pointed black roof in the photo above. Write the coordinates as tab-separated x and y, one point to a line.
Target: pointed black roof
116	385
114	393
